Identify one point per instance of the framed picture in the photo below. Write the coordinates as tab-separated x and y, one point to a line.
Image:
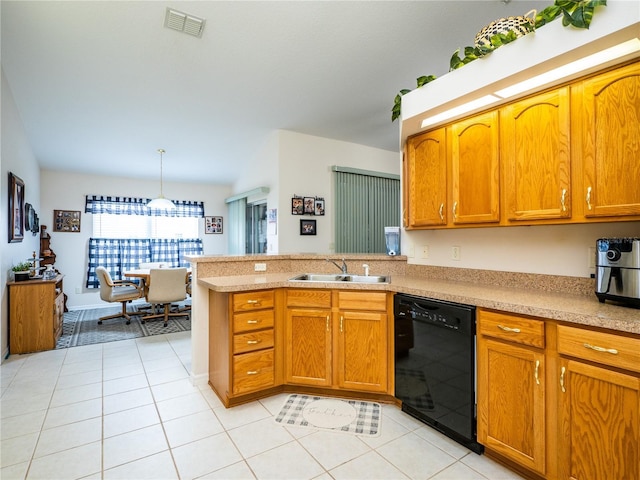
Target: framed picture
319	206
16	208
309	206
297	206
307	227
212	224
66	221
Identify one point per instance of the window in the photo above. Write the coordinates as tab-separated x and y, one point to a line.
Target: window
108	225
126	233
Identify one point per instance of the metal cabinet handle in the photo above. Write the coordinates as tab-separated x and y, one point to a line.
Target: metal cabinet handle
327	323
535	374
253	322
253	372
563	199
253	302
253	342
508	329
341	320
455	208
562	371
441	212
612	351
588	199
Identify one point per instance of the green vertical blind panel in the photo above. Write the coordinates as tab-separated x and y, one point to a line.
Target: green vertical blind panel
365	204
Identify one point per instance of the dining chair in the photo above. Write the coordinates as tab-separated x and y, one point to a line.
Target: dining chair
166	286
117	291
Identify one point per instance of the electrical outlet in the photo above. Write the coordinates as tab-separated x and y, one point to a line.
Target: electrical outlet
78	289
425	251
411	252
455	252
260	267
591	259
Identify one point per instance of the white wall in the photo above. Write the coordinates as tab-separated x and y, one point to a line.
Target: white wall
305	170
544	249
17	158
67	191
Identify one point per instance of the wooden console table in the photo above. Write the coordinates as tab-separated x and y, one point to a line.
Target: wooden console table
36	313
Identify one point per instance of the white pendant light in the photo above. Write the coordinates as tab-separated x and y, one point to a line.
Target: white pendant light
161	203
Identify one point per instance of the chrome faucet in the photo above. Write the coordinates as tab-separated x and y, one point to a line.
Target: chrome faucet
342	267
366	269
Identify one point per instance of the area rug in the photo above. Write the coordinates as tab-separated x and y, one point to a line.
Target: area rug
332	414
80	327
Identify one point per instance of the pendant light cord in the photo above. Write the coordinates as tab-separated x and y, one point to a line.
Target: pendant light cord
161	151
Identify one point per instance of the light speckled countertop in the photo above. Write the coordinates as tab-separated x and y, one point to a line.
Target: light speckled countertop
577	309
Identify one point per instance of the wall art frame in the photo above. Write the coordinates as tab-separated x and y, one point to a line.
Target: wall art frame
318	207
309	206
213	225
308	227
297	206
66	221
16	209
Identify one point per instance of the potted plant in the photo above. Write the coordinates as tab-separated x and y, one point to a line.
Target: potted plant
575	13
21	271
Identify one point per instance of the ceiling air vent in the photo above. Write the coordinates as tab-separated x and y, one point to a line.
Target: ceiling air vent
183	22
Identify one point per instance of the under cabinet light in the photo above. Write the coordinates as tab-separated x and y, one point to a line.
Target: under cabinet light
460	110
582	65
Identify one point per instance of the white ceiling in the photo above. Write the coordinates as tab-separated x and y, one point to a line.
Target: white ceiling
101	85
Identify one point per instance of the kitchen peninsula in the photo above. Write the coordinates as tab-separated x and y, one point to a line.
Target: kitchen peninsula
560	318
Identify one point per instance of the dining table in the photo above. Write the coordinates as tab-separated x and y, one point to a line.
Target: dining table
144	274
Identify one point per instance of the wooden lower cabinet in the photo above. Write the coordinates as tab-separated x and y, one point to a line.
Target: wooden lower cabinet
337	339
267	341
36	314
308	347
362	352
561	401
242	344
599	405
511	388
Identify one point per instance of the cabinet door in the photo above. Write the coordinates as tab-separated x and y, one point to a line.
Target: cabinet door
535	157
511	400
427	179
610	122
599	423
475	170
362	351
308	347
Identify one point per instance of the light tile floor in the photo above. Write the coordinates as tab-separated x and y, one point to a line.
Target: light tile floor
127	410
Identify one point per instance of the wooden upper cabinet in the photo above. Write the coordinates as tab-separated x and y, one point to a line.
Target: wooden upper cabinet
536	158
610	124
475	170
427	179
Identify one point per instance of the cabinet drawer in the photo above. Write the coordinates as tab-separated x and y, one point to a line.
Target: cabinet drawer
246	322
309	297
248	342
606	348
523	330
252	371
243	302
349	300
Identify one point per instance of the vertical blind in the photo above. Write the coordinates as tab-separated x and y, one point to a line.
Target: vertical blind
236	229
366	202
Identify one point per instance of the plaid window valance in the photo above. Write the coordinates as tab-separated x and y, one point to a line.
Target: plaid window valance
119	255
138	206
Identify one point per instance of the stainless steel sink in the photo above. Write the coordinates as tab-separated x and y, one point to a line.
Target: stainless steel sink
322	277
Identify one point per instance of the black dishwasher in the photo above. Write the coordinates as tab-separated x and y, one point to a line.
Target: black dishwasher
435	365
